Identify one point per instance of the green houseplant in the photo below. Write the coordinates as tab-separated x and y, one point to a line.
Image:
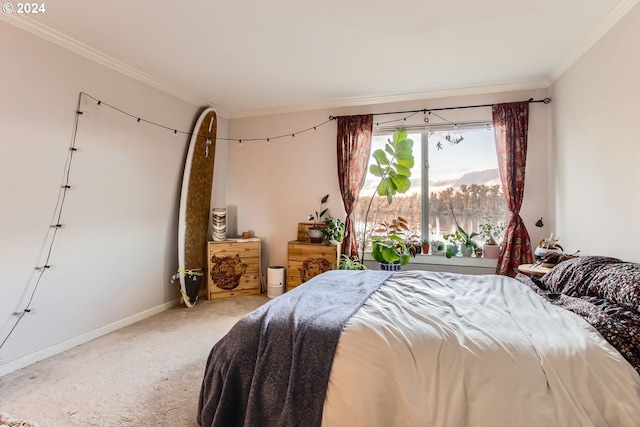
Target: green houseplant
333	231
393	167
388	247
467	244
491	233
315	232
346	263
436	247
414	246
459	236
425	246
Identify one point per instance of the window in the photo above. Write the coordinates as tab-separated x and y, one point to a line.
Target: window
455	168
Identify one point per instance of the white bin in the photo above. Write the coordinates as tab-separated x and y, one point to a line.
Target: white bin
275	281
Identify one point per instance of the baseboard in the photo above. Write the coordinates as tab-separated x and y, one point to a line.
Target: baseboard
32	358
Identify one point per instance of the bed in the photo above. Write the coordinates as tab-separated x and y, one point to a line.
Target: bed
416	348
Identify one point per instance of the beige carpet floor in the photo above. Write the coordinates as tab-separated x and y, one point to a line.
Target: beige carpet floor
146	374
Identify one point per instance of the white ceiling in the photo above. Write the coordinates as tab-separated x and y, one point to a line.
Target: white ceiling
249	57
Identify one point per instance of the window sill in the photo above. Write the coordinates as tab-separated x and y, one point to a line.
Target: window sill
457	263
457	260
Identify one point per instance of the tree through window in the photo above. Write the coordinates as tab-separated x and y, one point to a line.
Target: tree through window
455	168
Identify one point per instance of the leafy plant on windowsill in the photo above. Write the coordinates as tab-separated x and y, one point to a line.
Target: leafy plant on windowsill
491	233
389	246
436	246
414	245
468	245
393	167
463	238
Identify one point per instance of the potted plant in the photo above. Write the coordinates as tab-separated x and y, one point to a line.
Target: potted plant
413	245
467	244
315	232
437	247
425	246
388	247
451	250
393	167
491	233
333	231
464	239
346	263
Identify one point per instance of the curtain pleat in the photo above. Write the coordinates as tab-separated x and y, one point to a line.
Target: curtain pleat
354	148
511	122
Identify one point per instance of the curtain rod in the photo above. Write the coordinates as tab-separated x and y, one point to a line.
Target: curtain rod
426	110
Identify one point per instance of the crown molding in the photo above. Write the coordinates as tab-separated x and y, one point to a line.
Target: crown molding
385	99
607	23
88	52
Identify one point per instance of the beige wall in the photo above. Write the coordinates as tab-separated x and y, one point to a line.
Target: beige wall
596	146
115	257
274	186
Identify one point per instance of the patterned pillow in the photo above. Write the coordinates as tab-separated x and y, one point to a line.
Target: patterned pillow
619	283
571	277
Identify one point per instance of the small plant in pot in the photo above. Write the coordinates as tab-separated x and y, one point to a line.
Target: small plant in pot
491	233
425	246
388	247
333	231
315	232
437	247
467	244
413	245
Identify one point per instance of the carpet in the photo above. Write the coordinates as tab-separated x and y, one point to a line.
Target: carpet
7	421
146	374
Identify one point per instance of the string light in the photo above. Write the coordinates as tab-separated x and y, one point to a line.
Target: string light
408	115
177	131
64	188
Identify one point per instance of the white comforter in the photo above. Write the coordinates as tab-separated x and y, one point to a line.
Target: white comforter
440	349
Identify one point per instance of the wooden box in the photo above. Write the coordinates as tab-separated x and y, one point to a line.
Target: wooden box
233	268
306	260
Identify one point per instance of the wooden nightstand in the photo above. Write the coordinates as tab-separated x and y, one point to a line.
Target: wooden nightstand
533	269
307	260
233	268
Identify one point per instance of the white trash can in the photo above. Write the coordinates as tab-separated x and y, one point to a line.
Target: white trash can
275	281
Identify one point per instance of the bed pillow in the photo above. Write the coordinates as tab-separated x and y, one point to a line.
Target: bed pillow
619	283
572	277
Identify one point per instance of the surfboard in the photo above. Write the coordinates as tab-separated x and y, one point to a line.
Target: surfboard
195	199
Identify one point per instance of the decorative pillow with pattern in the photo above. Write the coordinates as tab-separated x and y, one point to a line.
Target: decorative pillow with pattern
619	283
572	277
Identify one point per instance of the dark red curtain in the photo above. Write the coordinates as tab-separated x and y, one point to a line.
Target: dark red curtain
354	148
510	122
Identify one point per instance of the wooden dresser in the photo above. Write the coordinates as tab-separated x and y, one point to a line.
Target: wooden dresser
233	268
306	260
